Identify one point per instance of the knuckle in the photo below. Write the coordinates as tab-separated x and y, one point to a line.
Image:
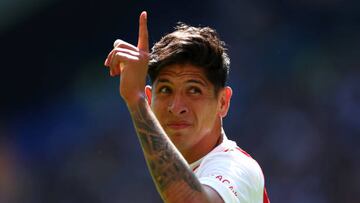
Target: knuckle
118	42
119	55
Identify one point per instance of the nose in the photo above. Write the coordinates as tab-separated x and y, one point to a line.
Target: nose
177	105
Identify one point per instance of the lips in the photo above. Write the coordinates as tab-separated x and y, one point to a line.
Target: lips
178	125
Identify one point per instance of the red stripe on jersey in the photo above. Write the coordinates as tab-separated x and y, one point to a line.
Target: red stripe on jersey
196	168
241	150
265	198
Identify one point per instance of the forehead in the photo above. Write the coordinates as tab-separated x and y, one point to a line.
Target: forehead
182	72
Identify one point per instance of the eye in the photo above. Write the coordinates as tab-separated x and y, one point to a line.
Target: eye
195	90
164	90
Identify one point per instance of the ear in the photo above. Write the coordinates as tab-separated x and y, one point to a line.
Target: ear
148	93
224	101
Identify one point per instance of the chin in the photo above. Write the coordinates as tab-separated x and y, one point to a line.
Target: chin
180	134
177	137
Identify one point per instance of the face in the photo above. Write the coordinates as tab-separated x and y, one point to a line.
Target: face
185	103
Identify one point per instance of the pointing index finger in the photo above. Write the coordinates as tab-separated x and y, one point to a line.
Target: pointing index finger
143	40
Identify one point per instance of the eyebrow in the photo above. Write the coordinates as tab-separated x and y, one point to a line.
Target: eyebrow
164	80
197	82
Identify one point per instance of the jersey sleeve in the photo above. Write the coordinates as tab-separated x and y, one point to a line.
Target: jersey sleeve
235	176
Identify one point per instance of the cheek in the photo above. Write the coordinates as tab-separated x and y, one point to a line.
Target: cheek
157	106
206	112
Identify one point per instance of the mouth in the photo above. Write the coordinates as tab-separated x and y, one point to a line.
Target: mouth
178	125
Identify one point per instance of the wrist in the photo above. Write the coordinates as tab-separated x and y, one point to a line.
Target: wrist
133	101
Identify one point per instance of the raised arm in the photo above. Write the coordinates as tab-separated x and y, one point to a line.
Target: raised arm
173	178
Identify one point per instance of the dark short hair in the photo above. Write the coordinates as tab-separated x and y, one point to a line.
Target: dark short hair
198	46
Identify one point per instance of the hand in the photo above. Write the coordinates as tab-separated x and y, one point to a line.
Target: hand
131	63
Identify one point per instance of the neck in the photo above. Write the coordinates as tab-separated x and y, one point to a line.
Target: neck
204	146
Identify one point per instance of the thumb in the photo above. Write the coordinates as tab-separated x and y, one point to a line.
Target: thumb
143	40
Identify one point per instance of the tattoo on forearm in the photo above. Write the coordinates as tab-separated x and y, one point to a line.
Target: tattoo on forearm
165	163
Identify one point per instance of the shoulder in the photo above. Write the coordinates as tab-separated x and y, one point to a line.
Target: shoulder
235	162
235	169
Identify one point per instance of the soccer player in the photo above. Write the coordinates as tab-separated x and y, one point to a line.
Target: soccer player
178	119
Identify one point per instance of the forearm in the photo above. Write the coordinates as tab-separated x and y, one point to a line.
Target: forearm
173	178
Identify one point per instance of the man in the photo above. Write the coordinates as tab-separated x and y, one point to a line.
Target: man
179	119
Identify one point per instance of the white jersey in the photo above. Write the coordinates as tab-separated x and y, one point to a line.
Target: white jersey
232	173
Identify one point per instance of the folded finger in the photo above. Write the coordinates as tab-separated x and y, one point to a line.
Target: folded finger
122	44
119	58
118	49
